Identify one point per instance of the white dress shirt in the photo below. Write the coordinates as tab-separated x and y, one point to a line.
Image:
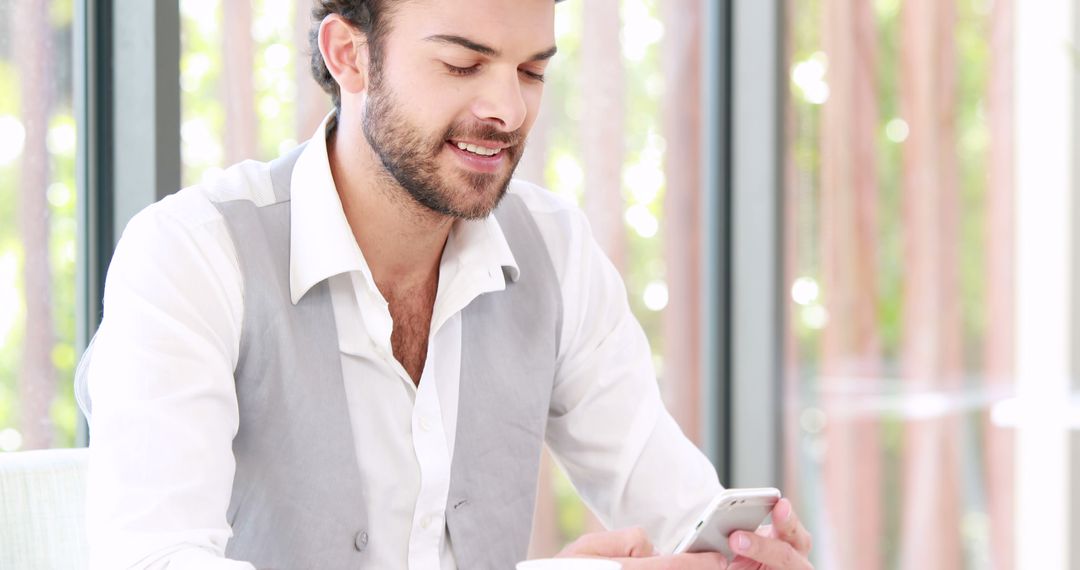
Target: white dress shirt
164	399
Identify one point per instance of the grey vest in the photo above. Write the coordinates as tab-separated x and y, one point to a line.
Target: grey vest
296	498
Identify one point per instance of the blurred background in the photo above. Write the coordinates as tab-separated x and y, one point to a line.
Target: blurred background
848	228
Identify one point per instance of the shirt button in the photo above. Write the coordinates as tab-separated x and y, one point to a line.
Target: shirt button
425	425
361	540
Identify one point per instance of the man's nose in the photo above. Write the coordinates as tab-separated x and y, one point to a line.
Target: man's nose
502	102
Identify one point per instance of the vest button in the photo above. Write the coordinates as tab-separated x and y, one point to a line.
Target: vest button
361	540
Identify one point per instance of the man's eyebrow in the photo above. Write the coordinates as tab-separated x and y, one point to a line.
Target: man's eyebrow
465	43
483	49
545	55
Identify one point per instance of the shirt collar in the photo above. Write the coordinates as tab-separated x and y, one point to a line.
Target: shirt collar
481	245
322	243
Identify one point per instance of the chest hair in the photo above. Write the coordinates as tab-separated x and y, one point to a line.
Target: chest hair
411	308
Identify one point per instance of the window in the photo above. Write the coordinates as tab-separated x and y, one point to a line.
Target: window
927	346
38	236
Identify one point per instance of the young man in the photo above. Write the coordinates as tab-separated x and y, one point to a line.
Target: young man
351	357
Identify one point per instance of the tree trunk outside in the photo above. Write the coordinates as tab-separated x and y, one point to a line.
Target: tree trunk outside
602	131
681	52
238	80
931	356
32	38
791	375
312	103
851	345
1000	279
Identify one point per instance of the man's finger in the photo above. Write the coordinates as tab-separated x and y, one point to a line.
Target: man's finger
788	528
771	552
633	542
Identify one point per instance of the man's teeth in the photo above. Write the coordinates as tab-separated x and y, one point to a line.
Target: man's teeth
482	151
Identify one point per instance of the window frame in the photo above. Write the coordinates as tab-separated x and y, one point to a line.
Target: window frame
751	421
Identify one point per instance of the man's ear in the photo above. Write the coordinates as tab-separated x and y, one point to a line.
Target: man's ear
345	52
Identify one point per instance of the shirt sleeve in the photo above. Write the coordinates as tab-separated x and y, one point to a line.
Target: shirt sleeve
608	426
164	408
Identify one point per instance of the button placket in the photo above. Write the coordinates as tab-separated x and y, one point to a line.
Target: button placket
432	454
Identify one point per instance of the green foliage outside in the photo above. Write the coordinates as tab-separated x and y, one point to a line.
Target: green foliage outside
63	231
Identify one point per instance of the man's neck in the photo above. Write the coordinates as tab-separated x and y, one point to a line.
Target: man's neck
402	241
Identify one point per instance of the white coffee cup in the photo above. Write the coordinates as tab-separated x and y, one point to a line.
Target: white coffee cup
569	564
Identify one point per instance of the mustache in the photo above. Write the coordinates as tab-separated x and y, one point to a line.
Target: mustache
484	132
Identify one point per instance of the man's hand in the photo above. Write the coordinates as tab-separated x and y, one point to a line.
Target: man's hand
784	545
625	543
632	548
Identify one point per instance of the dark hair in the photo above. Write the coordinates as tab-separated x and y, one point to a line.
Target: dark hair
371	17
368	16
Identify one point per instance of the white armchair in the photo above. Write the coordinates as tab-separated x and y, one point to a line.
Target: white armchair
42	509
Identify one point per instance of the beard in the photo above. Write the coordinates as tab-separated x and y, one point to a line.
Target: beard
411	159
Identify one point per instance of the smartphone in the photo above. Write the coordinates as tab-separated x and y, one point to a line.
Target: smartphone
729	511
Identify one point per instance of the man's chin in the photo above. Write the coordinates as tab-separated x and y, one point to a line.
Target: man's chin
481	194
477	209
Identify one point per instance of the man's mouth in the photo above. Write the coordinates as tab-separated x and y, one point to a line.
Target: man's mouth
476	149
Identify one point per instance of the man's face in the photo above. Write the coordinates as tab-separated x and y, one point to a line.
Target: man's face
455	95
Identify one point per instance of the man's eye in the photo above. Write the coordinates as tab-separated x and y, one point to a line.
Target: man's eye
533	75
455	70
